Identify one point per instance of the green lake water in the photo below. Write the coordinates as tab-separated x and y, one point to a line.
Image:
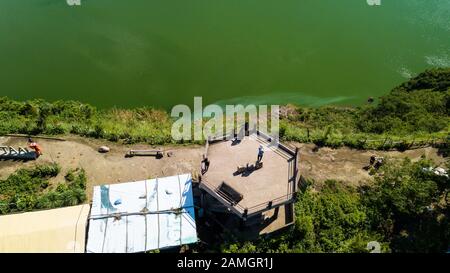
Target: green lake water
164	52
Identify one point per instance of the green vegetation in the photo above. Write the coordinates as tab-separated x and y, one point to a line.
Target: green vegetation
416	112
410	207
29	189
406	210
64	117
333	220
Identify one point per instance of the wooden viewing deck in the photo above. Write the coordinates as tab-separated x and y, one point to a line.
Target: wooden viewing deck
259	190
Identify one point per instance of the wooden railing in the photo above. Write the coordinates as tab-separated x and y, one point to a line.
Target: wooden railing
245	212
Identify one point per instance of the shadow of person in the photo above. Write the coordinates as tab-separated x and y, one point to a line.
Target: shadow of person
250	169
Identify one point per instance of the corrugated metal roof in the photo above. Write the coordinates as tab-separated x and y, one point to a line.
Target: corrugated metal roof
141	216
48	231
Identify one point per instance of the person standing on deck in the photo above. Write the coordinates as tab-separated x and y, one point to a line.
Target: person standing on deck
260	153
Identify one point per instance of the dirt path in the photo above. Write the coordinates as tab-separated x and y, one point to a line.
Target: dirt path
340	164
347	164
108	168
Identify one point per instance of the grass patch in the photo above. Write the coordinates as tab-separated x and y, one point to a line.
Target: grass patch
413	114
29	189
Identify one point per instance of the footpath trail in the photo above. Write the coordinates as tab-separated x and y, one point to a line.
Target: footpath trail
76	152
347	164
108	168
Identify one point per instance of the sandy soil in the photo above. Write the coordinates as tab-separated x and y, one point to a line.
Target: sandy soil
341	164
107	168
345	164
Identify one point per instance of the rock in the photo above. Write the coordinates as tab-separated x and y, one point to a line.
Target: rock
103	149
169	154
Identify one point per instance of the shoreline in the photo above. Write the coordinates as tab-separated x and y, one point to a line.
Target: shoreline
413	114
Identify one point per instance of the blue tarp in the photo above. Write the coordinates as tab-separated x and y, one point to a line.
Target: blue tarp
141	216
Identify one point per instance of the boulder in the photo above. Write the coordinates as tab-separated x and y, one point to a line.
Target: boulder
103	149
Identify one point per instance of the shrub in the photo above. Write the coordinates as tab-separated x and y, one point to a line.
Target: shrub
28	189
406	205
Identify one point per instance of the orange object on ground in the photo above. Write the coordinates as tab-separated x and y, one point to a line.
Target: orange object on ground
36	148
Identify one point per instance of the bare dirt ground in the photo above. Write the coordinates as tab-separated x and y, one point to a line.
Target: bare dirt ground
340	164
107	168
345	164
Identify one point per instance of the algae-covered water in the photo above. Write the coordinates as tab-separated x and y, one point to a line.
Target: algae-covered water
165	52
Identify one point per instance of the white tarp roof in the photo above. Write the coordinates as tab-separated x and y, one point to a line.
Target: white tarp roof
141	216
48	231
